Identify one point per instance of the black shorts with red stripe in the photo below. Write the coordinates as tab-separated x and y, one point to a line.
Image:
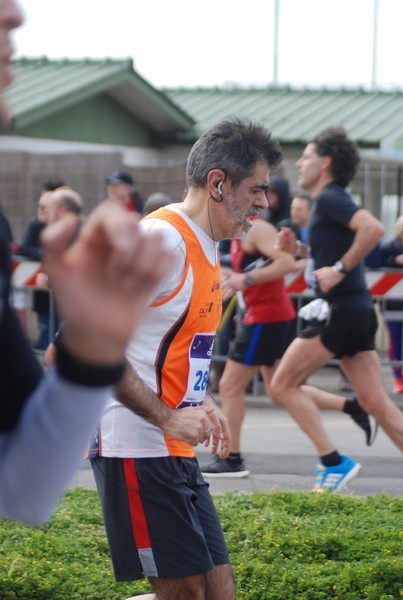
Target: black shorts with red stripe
159	516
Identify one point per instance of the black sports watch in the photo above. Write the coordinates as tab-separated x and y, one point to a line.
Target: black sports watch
339	267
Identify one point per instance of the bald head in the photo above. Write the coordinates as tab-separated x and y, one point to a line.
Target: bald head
42	209
64	200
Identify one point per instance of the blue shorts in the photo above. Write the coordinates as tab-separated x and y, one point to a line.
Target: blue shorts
262	343
159	517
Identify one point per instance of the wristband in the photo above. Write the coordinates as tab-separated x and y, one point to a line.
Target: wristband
84	373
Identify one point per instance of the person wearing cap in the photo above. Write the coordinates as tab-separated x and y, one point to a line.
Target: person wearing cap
121	188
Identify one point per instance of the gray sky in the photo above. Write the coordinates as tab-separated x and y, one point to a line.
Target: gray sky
213	42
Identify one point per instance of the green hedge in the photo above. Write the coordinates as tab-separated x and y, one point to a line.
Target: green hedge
283	546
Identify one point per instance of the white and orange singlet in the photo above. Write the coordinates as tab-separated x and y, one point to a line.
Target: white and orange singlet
171	348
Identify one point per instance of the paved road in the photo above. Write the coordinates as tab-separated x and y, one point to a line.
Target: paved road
280	456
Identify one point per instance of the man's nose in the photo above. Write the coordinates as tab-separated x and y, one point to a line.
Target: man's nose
262	200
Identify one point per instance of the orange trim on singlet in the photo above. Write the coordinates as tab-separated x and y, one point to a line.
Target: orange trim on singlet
202	316
176	290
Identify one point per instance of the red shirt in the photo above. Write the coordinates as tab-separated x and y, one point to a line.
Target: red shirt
266	302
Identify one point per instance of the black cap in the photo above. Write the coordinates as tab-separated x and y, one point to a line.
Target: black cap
120	177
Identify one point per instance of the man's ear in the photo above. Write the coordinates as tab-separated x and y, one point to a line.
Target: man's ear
215	179
326	162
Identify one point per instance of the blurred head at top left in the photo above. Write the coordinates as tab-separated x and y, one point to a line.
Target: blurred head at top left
10	18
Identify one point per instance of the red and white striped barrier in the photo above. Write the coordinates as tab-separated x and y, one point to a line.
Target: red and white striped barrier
381	284
25	272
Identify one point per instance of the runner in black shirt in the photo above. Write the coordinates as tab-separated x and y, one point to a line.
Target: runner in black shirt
340	236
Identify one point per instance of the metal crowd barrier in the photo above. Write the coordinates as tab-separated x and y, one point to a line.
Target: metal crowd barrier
23	288
384	285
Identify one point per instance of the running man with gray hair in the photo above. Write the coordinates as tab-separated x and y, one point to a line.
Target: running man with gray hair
159	516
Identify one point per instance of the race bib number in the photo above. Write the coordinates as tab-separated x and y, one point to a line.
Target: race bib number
200	352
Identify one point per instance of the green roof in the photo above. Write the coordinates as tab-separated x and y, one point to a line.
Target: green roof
294	116
44	87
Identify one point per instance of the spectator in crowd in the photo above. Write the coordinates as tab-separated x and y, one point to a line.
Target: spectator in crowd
122	188
64	200
279	200
61	202
49	185
155	201
31	248
299	216
298	222
31	244
5	229
391	255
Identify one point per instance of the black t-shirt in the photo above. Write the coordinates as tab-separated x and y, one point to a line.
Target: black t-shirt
31	245
20	372
330	237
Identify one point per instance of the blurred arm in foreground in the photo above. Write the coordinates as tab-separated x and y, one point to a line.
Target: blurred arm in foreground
101	282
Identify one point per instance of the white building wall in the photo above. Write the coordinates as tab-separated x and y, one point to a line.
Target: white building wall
132	156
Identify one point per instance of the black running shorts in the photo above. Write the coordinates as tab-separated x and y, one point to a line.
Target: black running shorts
262	343
159	517
346	331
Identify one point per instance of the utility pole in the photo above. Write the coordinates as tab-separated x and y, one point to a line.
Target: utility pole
375	46
276	38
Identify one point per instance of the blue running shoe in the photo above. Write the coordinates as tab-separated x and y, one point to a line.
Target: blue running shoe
334	478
